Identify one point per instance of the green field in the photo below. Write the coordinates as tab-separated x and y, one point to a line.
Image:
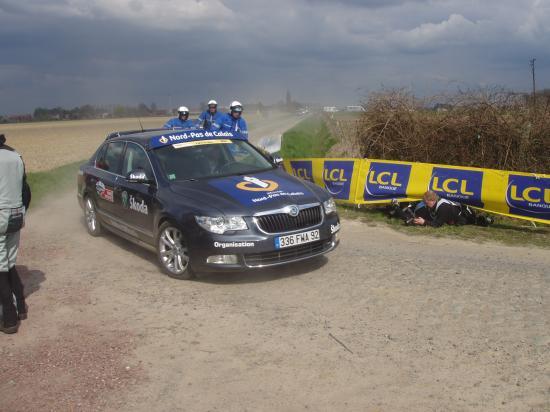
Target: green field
505	230
309	138
53	181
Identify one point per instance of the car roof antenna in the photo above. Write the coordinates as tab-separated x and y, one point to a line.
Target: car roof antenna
140	125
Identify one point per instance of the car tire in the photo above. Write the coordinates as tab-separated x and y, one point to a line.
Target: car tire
173	253
90	214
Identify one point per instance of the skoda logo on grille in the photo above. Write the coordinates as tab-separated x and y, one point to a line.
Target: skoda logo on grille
293	211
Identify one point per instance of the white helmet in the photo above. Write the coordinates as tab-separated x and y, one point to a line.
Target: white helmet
212	103
183	110
236	106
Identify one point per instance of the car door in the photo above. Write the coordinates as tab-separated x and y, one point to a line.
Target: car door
107	171
137	200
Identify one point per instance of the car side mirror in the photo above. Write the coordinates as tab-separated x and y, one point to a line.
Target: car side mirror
138	176
278	161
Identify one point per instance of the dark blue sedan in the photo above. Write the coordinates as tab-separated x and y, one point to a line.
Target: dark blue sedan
204	201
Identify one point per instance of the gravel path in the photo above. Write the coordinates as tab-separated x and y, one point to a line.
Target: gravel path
386	322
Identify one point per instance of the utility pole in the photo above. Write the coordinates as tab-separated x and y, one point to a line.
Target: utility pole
532	64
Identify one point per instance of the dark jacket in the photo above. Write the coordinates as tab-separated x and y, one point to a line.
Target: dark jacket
444	212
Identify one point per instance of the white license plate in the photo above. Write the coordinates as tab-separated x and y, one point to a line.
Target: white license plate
296	239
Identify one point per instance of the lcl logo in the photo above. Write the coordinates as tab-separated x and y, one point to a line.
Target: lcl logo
302	169
302	173
529	196
458	184
384	178
451	185
337	177
386	181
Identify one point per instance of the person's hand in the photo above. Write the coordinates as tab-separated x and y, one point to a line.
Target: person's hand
419	221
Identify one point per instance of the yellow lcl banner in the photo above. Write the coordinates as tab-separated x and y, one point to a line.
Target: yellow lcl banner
369	181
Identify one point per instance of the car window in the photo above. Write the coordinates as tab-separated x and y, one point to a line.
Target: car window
135	158
222	158
110	160
99	154
241	155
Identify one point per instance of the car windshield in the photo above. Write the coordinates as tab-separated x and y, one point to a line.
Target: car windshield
210	158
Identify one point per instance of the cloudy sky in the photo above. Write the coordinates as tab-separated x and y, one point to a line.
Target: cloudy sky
72	52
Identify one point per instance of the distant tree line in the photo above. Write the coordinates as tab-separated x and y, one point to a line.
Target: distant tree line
89	111
86	111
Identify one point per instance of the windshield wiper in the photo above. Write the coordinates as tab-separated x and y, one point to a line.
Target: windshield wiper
249	172
185	180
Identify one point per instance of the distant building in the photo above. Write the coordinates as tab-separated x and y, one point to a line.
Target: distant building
442	107
330	109
18	118
355	109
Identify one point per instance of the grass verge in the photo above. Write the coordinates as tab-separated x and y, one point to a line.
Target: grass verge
309	138
52	181
514	232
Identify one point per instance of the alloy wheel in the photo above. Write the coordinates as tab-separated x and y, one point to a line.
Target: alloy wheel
173	253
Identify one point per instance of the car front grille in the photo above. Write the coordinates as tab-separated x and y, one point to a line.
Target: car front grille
283	222
288	255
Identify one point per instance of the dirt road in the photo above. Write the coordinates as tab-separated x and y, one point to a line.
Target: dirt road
387	322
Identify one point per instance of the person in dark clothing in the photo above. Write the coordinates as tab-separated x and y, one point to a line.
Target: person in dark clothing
14	200
436	212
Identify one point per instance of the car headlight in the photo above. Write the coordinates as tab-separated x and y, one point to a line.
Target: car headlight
330	206
221	224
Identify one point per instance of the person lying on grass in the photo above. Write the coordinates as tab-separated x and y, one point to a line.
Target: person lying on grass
436	211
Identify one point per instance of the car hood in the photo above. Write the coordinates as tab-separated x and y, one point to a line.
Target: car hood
249	194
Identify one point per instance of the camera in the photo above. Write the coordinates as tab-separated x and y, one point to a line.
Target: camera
408	215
